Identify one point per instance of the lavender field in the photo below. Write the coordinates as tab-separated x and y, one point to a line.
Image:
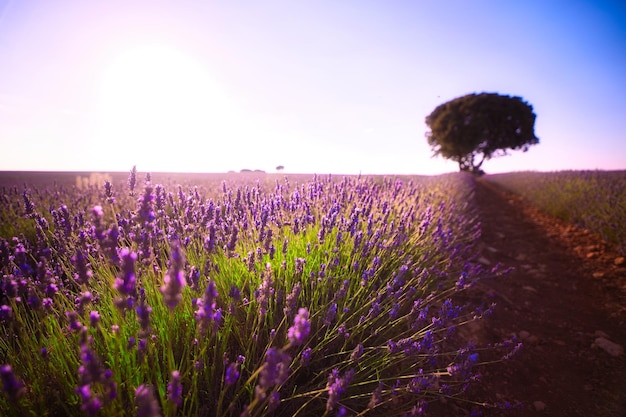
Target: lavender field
594	200
237	295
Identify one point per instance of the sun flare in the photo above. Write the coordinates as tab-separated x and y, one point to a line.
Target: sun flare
154	99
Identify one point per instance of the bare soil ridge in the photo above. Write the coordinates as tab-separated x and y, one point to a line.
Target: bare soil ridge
564	297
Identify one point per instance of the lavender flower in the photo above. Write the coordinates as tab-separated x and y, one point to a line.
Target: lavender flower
83	272
126	282
305	356
74	325
377	396
207	314
143	311
232	373
98	227
175	389
337	385
235	292
5	313
13	387
342	412
357	353
265	290
132	180
146	211
513	352
174	278
108	191
285	243
341	294
92	372
94	318
300	262
146	403
29	206
275	369
330	315
193	278
232	243
300	329
91	403
292	299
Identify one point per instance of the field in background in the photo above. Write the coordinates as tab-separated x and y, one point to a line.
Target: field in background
594	200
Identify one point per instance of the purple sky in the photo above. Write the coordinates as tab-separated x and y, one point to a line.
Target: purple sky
316	86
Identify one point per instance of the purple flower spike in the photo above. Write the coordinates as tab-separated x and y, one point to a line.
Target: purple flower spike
5	313
265	290
292	299
94	318
174	279
29	206
276	368
146	213
305	357
146	403
232	373
83	268
90	373
330	314
126	282
175	389
300	329
132	180
10	384
207	313
337	386
108	191
143	311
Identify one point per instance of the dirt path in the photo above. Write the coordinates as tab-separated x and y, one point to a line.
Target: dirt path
564	297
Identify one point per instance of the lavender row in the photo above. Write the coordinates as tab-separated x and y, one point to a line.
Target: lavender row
595	200
245	297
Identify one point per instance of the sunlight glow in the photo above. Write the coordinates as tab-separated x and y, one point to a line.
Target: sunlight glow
158	104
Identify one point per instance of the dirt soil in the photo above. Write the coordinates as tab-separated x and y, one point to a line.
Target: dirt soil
565	299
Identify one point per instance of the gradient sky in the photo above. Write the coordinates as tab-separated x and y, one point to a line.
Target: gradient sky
317	86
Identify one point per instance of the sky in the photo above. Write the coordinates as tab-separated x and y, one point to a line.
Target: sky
340	86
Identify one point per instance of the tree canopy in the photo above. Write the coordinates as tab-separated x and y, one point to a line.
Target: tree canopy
477	127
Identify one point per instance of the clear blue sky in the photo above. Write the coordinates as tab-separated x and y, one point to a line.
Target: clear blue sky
317	86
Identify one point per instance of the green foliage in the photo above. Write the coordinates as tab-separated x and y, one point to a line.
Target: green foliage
482	125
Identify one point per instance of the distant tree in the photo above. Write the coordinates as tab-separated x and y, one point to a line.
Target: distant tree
477	127
280	168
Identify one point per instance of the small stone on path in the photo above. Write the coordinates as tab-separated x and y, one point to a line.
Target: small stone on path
619	261
609	347
539	405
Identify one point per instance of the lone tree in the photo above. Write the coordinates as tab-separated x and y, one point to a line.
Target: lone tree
477	127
